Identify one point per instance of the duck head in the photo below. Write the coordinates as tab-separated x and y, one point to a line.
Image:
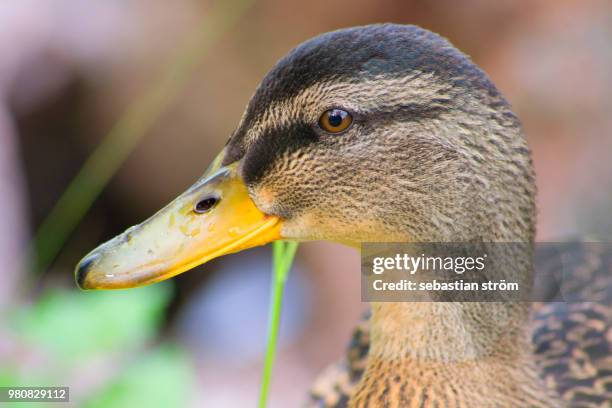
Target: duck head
376	133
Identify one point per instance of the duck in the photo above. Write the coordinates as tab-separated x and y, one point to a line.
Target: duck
386	133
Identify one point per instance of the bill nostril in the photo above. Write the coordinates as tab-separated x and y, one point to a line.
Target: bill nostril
83	269
205	204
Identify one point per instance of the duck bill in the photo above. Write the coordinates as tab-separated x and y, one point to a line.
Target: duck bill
213	217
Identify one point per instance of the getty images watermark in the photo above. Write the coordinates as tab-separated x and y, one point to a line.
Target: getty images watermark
474	272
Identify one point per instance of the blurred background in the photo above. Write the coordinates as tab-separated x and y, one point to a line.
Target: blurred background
70	70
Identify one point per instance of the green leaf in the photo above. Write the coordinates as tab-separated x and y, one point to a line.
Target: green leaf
162	378
8	377
75	325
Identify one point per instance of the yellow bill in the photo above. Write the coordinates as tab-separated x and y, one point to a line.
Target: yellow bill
213	217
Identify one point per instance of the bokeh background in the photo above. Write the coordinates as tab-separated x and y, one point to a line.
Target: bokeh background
69	70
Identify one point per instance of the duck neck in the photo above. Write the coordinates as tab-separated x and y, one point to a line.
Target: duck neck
448	332
457	332
474	353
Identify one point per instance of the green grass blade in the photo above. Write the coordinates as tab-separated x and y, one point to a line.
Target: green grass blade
283	255
127	133
287	258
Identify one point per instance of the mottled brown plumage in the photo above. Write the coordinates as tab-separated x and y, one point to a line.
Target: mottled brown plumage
434	154
571	341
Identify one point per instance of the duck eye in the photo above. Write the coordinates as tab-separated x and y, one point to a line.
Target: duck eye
205	204
335	120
